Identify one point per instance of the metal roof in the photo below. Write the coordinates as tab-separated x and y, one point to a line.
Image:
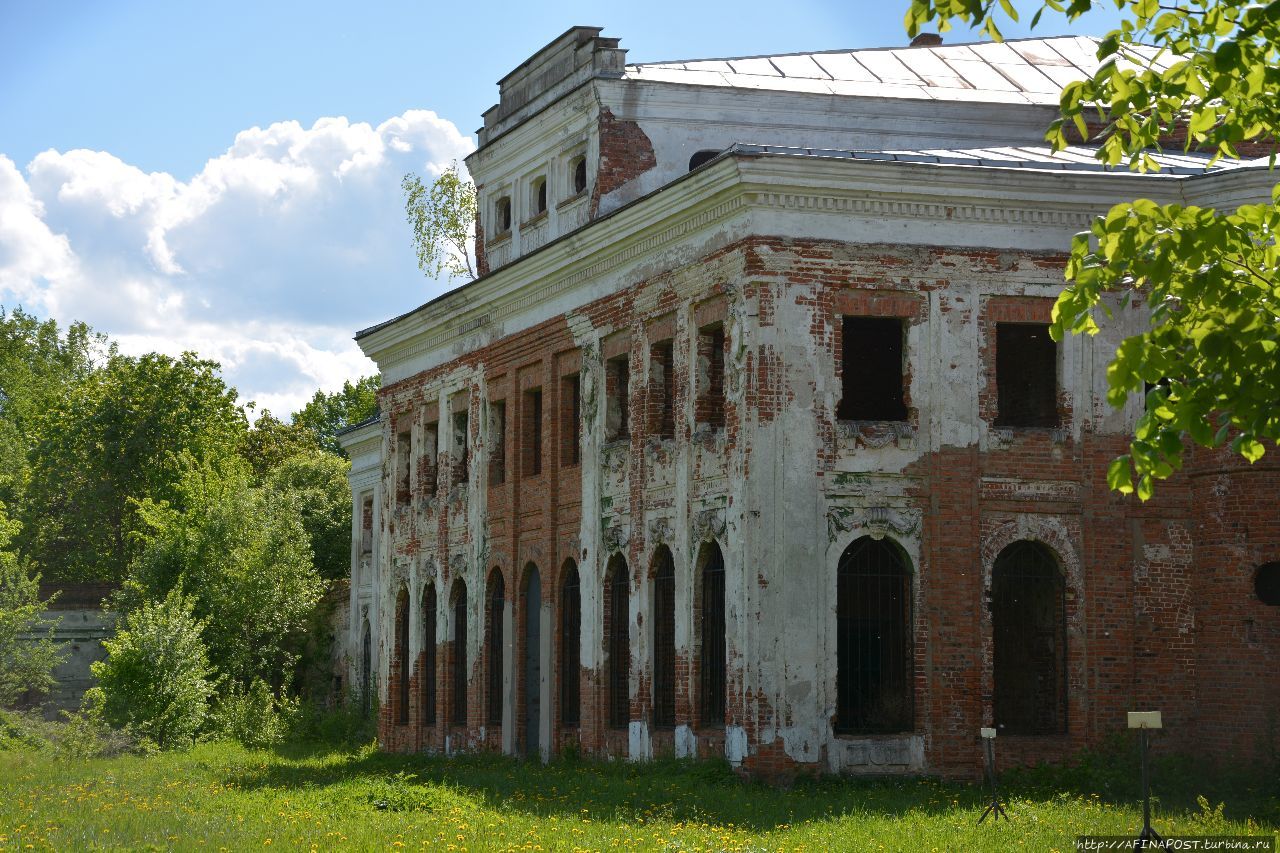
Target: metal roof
1024	71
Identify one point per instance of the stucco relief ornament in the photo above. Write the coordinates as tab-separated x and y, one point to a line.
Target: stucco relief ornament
458	563
615	538
878	521
708	523
660	531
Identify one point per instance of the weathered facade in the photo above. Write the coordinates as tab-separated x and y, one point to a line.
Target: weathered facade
750	440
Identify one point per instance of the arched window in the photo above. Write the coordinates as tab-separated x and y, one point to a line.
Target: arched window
427	678
616	627
873	639
700	158
539	189
1266	583
579	175
711	651
570	646
402	657
497	597
664	639
503	214
1029	626
459	654
366	670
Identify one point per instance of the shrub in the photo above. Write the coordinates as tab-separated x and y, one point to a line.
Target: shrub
156	680
254	716
26	664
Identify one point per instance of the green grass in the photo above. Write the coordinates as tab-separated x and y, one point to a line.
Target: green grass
221	796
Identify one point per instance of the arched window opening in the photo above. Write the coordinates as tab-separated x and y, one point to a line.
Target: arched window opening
616	626
570	646
459	716
427	678
402	657
579	175
712	671
366	670
664	639
1029	627
700	158
497	598
531	666
503	215
873	640
539	196
1266	583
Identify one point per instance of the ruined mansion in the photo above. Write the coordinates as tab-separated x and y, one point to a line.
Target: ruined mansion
750	441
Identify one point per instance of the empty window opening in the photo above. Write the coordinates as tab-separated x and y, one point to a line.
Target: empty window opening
579	175
1266	583
1029	628
662	404
571	420
366	525
503	215
459	686
873	640
427	678
1026	375
366	670
617	398
533	432
497	443
871	376
664	639
709	406
497	597
711	653
402	657
404	456
461	441
701	157
570	646
427	467
616	629
539	197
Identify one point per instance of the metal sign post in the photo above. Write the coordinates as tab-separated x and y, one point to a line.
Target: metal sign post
1145	721
989	751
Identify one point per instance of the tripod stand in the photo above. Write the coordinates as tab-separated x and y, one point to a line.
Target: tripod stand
994	809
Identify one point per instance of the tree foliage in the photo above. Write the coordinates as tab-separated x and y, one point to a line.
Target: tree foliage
327	414
316	483
25	664
271	441
442	218
1201	74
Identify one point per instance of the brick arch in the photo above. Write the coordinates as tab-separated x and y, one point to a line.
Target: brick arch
1046	530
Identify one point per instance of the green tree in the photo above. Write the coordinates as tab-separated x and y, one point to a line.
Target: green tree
272	441
316	483
442	218
244	555
327	414
1206	73
125	433
25	665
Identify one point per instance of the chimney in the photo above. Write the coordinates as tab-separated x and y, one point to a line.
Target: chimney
926	40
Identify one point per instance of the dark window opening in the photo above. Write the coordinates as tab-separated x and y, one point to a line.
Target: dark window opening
873	640
497	596
533	432
700	158
871	377
459	654
617	398
664	639
461	442
662	405
1026	376
1029	628
428	675
504	215
366	671
579	175
709	407
539	197
571	420
711	663
616	630
1266	583
570	647
402	658
427	464
497	443
404	455
366	526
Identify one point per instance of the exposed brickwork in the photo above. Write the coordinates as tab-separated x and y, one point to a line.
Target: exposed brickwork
626	153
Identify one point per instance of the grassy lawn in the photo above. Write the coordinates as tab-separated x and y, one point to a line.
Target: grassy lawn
222	796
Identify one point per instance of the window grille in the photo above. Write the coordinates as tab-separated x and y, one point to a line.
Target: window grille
871	370
873	643
1026	376
497	595
711	665
402	658
570	647
428	676
619	644
460	655
1029	627
664	640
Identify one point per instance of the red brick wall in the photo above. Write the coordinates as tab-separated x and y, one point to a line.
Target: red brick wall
626	153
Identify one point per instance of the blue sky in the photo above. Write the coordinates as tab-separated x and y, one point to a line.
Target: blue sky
224	176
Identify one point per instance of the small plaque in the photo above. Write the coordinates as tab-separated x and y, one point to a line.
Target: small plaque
988	733
1144	720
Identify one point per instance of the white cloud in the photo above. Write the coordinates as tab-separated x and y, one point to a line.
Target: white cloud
267	260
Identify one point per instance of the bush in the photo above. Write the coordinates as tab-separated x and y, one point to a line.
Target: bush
26	664
255	717
73	736
156	680
347	724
